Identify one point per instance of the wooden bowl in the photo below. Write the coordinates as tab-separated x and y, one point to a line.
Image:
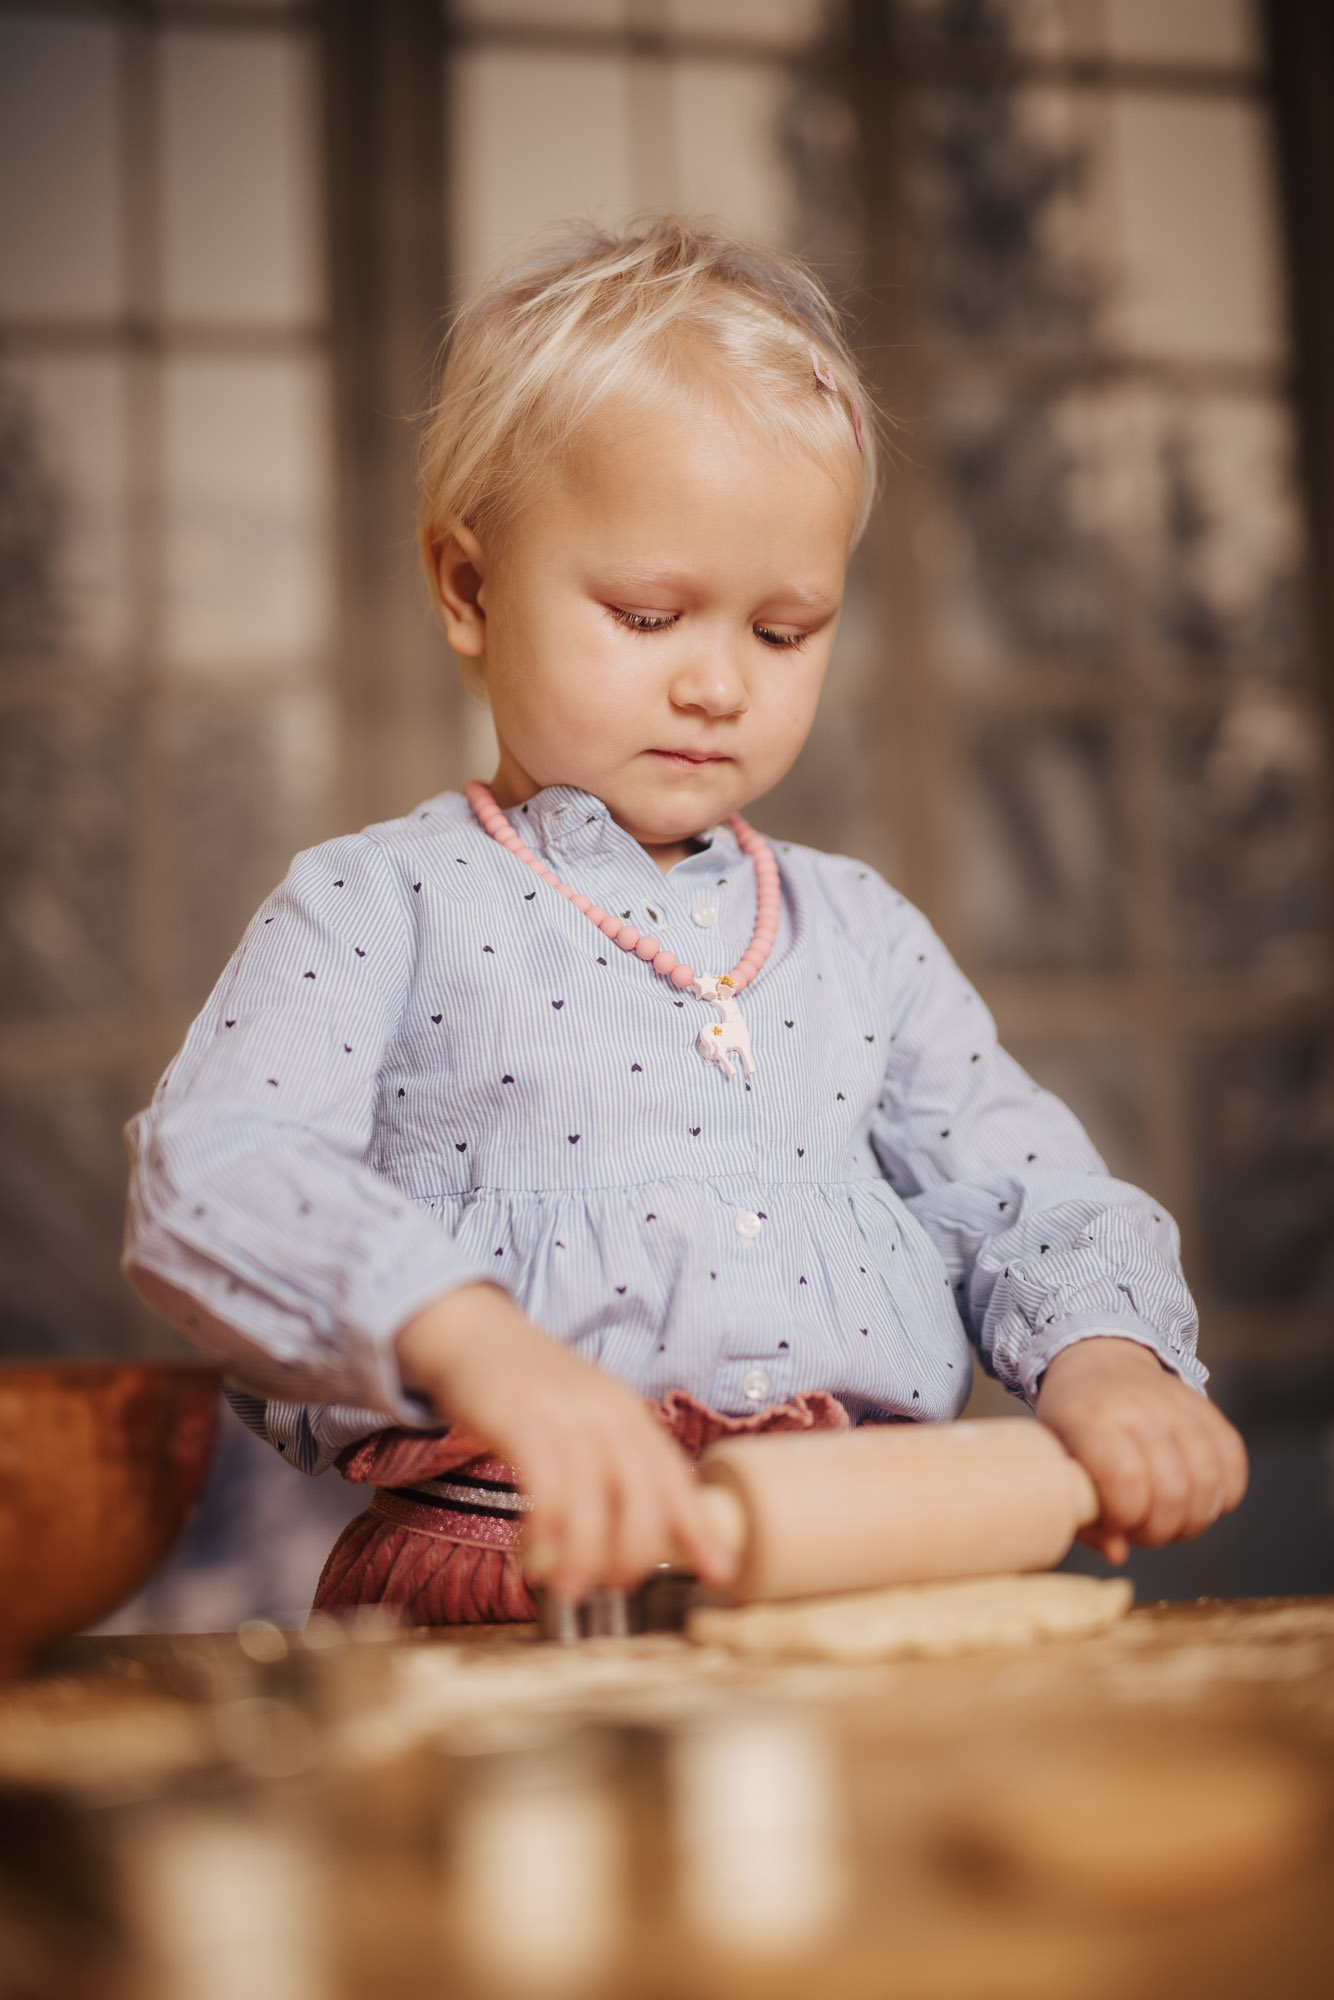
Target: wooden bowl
101	1466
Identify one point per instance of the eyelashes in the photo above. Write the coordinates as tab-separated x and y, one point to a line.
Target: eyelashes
647	621
642	621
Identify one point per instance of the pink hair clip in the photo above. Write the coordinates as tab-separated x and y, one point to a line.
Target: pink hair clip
826	381
822	375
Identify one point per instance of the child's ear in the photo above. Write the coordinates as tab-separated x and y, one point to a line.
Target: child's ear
459	570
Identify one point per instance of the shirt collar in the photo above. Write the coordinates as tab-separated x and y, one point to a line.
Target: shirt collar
566	825
563	822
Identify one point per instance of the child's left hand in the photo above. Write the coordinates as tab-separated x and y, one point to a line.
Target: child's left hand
1164	1461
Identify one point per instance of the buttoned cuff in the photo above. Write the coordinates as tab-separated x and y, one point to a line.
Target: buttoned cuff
1036	1355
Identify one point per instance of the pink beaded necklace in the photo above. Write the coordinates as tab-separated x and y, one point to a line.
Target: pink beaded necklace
729	1034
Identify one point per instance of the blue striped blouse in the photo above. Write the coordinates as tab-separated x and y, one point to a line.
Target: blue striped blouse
422	1067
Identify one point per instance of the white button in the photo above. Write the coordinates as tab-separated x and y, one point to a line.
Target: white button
755	1385
704	915
748	1225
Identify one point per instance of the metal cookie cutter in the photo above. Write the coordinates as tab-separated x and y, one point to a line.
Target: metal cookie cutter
660	1604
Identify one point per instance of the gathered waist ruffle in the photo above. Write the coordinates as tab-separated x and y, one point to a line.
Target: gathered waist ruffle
697	1283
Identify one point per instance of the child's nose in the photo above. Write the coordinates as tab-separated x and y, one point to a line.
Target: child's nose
711	681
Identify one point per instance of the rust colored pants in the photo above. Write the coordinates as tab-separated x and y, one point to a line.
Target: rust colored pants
440	1537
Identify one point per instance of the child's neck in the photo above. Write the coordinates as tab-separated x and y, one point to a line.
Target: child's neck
667	857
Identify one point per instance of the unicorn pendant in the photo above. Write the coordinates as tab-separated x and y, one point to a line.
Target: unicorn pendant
727	1036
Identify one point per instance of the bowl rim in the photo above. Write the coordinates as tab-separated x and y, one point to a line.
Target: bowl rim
106	1365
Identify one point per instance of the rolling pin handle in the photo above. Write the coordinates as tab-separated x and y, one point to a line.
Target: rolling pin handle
726	1515
1087	1504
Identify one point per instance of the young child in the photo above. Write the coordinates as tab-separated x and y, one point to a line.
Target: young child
477	1174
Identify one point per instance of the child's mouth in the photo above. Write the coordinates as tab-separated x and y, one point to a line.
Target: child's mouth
688	760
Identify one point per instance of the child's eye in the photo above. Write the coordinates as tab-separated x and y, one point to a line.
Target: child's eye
790	639
642	621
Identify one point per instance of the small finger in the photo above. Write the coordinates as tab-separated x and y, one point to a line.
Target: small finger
544	1548
544	1515
1110	1543
588	1537
638	1531
539	1542
1202	1451
1236	1465
538	1554
572	1521
1170	1489
1116	1463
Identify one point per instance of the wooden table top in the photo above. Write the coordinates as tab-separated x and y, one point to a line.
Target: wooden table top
1000	1810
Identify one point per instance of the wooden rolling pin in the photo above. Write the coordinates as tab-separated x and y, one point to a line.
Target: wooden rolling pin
894	1503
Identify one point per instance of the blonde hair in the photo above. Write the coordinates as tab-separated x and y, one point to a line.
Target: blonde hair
588	316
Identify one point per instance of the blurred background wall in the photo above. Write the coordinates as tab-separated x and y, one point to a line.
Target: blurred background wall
1079	703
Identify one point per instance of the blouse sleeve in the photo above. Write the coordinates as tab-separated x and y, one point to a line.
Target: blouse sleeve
258	1226
1042	1247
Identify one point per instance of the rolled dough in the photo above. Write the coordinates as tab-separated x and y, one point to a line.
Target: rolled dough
928	1620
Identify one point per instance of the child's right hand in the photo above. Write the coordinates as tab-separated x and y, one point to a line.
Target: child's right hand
610	1492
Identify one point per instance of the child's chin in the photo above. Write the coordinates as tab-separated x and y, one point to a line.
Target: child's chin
712	786
670	829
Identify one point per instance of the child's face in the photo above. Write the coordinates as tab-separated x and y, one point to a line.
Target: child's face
656	628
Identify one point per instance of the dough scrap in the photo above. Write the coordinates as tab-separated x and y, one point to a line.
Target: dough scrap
918	1620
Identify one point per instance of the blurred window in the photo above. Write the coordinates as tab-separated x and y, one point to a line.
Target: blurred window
166	713
1123	716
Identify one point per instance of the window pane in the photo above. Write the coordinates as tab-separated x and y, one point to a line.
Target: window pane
1038	855
249	779
64	466
533	138
1124	520
1264	1116
1194	497
1245	829
246	483
1021	565
1135	220
784	24
543	13
62	1207
729	164
776	23
64	852
60	219
241	226
1195	258
33	521
1202	33
1215	32
998	176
